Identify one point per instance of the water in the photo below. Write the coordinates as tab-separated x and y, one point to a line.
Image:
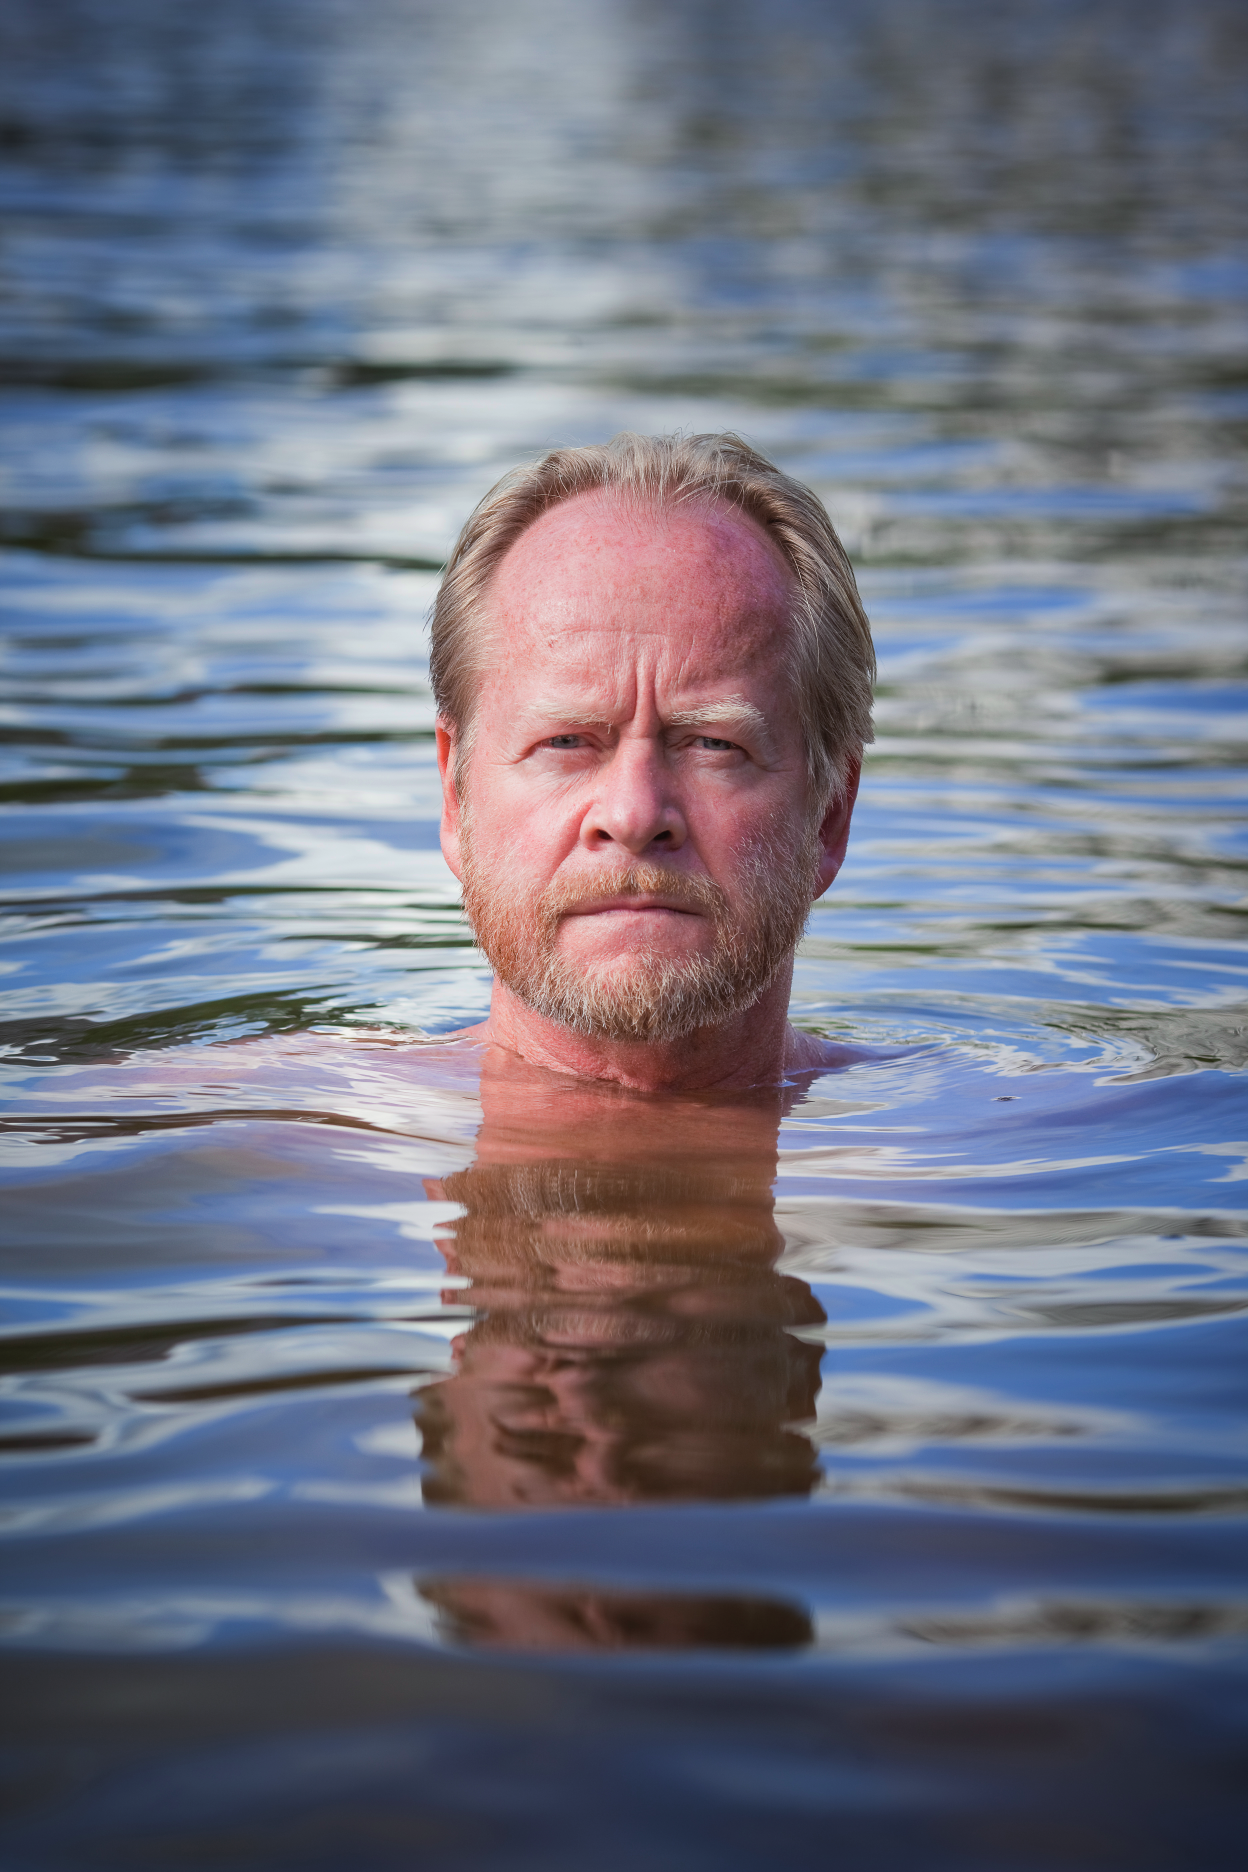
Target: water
403	1466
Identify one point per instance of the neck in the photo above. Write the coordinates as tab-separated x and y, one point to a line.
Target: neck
755	1047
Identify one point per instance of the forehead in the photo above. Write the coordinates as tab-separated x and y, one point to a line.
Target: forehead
699	587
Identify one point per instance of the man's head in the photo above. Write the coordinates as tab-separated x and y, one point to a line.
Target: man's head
653	675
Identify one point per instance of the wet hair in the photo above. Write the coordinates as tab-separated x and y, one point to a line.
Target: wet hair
830	640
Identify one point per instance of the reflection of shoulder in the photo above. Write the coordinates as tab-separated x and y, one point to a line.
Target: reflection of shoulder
277	1072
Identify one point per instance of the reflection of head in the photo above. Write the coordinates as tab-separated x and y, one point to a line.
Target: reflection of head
517	1615
831	640
611	1403
636	1341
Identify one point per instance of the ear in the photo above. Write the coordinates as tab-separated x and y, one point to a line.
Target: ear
445	735
834	832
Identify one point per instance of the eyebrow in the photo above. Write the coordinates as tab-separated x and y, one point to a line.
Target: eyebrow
736	713
742	713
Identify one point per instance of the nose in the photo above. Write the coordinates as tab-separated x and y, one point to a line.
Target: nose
634	803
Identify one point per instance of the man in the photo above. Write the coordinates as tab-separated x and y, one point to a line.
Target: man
653	674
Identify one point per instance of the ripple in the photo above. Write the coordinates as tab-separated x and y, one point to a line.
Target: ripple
914	1416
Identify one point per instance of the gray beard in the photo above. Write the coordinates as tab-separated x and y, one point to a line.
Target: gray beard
655	998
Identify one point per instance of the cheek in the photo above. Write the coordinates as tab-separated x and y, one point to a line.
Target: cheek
735	826
510	826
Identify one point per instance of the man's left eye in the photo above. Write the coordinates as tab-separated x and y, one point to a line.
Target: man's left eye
717	746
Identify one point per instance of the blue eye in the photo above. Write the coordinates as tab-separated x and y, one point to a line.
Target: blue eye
709	741
564	741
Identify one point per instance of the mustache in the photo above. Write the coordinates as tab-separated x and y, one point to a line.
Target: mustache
696	894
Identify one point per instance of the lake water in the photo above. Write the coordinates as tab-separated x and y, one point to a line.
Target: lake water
409	1467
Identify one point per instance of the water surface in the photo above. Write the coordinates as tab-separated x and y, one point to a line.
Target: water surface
411	1459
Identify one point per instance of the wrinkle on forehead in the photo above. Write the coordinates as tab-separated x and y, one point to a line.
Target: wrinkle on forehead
603	562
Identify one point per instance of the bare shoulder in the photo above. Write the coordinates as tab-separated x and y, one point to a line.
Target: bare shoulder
807	1052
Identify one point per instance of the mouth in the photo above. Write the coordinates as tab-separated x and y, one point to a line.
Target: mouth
640	897
633	906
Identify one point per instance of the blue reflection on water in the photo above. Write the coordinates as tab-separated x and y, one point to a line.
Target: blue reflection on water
404	1466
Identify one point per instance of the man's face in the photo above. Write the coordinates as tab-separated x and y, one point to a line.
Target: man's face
634	833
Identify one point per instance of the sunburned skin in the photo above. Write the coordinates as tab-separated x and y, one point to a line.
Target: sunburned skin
636	761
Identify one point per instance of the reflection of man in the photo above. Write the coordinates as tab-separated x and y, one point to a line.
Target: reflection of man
635	1344
653	676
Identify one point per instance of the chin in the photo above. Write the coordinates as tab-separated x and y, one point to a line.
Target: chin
653	1000
673	950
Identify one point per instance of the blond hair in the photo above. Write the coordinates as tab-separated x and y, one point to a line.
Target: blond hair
830	647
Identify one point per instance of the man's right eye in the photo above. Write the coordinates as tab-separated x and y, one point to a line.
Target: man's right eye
564	741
